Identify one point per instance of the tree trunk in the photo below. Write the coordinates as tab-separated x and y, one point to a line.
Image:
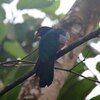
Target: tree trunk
78	22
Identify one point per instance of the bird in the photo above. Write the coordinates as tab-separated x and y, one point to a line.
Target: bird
50	43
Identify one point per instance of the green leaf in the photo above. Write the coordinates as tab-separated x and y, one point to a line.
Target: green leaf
96	98
1	14
10	75
77	91
3	31
78	68
51	9
14	49
12	94
5	1
86	50
98	66
39	4
22	70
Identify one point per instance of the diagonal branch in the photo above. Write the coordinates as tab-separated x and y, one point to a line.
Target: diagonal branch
78	43
16	82
59	54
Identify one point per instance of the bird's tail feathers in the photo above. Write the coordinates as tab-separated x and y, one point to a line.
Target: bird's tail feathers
45	72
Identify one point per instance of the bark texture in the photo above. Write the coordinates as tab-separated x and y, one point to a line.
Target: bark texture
78	22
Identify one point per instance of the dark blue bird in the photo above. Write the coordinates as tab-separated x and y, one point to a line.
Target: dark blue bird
49	45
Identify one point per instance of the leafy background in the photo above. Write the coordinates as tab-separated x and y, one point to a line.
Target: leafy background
17	40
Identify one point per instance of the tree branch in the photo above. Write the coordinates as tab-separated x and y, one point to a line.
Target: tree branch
78	43
59	54
16	82
15	62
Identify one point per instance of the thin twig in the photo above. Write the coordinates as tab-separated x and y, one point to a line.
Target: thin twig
15	61
16	82
75	73
80	61
29	54
7	63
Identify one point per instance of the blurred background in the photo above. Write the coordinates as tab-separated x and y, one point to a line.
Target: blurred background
19	20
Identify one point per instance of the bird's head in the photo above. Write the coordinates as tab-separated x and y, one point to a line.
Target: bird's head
42	31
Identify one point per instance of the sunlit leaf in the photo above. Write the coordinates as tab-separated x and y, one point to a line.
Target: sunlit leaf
98	66
51	9
78	90
5	1
86	51
27	4
14	48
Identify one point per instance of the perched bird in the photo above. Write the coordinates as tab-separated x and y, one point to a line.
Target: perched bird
50	44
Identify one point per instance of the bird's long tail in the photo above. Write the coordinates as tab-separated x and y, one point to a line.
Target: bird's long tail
45	72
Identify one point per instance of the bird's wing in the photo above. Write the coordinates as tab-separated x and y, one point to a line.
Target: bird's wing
49	45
